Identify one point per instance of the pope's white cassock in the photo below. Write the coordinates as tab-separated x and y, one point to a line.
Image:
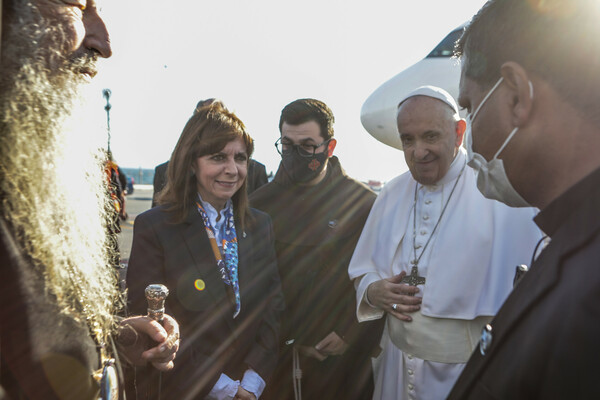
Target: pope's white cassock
469	266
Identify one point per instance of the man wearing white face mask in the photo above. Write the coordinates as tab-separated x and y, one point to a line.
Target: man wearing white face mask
435	257
491	176
530	72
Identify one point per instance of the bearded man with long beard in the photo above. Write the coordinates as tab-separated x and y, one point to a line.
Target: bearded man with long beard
58	293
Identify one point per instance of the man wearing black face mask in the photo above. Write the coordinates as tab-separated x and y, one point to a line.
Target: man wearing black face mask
318	214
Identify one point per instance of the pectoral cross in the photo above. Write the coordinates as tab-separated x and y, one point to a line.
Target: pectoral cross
414	279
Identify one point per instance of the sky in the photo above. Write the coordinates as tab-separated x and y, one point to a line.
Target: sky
257	56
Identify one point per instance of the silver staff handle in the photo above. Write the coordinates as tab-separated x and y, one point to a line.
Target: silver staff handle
156	295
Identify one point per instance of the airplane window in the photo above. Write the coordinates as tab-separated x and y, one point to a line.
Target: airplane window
446	46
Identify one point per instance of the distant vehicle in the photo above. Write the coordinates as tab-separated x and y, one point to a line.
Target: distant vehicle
378	113
130	183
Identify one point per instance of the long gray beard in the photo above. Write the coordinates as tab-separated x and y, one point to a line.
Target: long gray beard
53	190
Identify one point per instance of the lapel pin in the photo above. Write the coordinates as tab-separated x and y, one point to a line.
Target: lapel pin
519	274
199	284
332	224
486	339
244	234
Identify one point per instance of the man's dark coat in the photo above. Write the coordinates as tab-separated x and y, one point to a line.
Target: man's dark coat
316	230
546	337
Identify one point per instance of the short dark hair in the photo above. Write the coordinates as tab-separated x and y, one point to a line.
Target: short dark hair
305	110
557	40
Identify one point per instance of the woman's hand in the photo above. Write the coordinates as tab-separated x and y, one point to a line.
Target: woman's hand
243	394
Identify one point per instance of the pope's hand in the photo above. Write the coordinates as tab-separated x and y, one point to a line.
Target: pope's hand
386	293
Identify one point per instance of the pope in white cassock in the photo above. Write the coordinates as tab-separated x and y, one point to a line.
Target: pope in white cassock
436	258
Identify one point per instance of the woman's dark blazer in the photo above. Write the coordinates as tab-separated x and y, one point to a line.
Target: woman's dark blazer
179	255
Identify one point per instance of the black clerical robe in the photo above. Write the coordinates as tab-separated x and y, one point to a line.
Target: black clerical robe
316	230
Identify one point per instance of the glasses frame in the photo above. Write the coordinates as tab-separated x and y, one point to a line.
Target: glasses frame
301	151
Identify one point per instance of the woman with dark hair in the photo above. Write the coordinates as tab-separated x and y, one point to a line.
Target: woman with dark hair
216	256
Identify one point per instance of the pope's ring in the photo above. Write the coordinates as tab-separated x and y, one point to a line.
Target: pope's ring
395	306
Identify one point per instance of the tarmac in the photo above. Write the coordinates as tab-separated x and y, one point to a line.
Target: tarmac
136	203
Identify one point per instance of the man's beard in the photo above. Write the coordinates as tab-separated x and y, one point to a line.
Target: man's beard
53	190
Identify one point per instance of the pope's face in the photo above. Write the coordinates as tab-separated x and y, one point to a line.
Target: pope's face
430	137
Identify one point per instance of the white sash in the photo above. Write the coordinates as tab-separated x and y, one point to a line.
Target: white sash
441	340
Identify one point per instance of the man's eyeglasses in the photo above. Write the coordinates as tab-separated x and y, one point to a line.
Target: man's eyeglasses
305	150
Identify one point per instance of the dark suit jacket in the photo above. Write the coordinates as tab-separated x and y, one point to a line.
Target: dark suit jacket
546	337
257	175
160	180
212	342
